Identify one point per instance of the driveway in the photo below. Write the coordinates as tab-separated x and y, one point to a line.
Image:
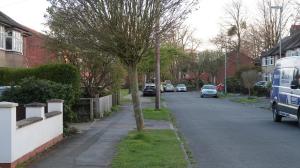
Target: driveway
225	134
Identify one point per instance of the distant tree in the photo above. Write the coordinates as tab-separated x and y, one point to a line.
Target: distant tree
249	78
210	62
237	26
268	20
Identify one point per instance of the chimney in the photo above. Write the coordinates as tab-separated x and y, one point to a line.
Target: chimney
294	29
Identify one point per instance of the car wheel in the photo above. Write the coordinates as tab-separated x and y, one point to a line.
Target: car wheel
201	96
276	116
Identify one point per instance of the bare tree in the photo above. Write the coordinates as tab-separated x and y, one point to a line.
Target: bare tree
123	29
253	41
249	78
268	22
237	25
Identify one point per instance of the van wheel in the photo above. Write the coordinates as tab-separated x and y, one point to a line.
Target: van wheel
276	116
298	116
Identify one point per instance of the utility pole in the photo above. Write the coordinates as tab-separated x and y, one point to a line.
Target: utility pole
157	54
280	26
225	72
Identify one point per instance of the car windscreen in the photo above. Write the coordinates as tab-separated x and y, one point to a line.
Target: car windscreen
150	87
208	87
180	85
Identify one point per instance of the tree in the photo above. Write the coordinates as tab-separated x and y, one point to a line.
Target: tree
237	25
249	78
98	72
210	62
121	28
268	21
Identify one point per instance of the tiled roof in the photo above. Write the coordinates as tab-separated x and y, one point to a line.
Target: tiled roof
287	43
4	19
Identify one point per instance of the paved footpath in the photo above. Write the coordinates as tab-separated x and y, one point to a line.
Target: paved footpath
92	148
95	145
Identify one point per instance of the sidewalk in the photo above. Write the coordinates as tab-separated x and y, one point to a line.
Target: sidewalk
94	147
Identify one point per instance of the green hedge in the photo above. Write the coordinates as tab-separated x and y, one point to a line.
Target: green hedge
60	73
38	90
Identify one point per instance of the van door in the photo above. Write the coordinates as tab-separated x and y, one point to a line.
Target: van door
295	94
286	94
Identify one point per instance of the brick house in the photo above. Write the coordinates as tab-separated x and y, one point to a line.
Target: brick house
21	46
36	52
245	61
12	35
290	46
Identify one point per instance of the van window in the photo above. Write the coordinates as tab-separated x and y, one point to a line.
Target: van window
287	75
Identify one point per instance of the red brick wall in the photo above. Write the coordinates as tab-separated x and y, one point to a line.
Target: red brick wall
245	61
36	52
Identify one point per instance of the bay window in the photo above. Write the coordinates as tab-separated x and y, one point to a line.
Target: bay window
2	37
13	41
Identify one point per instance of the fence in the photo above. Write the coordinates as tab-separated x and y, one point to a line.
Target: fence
90	108
21	140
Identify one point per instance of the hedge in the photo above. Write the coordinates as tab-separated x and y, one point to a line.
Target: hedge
39	90
60	73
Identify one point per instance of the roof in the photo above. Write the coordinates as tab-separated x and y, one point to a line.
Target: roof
4	19
287	43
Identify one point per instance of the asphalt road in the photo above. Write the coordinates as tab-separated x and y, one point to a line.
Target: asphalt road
224	134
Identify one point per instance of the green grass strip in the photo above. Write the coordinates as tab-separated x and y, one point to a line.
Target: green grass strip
150	149
152	114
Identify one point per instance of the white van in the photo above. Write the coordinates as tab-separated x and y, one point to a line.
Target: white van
285	95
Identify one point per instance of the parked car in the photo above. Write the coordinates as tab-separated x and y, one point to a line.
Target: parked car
169	88
209	91
3	89
149	89
181	88
262	84
285	94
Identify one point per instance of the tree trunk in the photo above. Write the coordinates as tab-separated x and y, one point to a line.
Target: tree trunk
133	77
249	92
157	65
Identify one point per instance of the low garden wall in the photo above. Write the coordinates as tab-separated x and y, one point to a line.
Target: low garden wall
90	108
21	140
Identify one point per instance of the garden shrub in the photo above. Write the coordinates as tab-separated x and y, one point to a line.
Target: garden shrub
233	85
60	73
31	90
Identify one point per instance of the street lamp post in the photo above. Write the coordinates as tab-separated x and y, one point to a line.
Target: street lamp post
280	26
225	72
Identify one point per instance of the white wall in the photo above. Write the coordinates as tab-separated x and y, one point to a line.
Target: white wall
16	142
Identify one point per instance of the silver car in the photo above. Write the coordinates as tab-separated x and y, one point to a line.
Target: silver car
169	88
209	91
181	88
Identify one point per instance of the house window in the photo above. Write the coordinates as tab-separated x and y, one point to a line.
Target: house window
8	40
263	63
2	37
271	60
14	41
266	61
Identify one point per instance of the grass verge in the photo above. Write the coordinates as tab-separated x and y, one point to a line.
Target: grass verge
245	100
150	149
124	96
152	114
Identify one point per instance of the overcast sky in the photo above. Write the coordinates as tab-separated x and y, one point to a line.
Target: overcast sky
206	21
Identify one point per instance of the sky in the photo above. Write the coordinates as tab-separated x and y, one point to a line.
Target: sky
205	21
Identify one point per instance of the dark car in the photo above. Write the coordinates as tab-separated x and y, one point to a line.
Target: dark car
149	89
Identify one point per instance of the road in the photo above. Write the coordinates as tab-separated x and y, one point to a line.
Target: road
224	134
